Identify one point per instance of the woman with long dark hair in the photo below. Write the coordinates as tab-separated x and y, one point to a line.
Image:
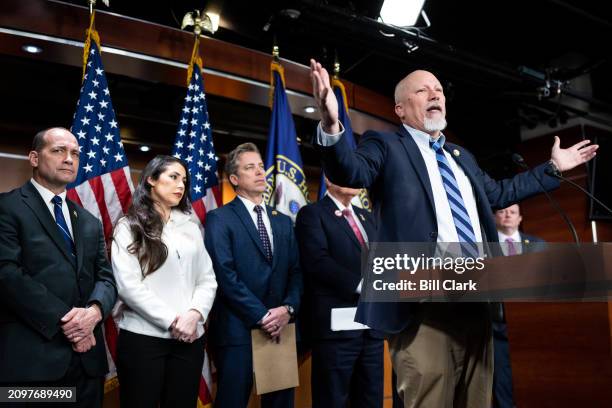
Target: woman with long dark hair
167	285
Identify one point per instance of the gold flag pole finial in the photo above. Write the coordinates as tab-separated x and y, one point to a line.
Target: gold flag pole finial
336	66
200	21
92	5
275	66
336	69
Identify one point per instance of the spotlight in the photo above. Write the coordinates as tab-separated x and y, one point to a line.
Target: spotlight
144	148
214	20
32	49
293	14
401	13
310	109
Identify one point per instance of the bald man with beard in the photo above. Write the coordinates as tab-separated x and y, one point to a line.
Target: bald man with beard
425	189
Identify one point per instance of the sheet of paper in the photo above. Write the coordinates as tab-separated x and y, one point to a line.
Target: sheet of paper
274	364
343	318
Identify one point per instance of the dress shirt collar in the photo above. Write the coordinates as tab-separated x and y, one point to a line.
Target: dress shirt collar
46	194
516	236
423	139
250	205
340	206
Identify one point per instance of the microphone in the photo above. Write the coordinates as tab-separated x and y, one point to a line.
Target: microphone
557	174
519	161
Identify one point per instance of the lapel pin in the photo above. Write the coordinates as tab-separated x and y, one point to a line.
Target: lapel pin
274	212
338	213
362	217
526	242
456	153
74	213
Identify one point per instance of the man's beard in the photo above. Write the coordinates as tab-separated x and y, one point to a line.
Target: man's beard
434	124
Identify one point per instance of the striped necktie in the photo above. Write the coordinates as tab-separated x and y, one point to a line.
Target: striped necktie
461	219
62	226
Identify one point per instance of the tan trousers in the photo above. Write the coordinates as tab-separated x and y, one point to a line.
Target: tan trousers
445	359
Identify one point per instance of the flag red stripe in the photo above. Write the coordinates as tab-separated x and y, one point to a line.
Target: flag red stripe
200	210
204	393
122	188
74	196
98	189
217	194
110	331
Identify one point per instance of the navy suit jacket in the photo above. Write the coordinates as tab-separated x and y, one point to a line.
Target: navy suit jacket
40	283
531	243
248	284
331	262
392	167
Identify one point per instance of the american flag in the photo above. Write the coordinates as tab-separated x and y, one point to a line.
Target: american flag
103	185
194	145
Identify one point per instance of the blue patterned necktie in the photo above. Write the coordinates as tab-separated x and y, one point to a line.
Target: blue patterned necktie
463	225
62	226
263	233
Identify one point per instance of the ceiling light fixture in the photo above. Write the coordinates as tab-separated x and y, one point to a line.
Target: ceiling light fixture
214	20
32	49
310	109
144	148
401	13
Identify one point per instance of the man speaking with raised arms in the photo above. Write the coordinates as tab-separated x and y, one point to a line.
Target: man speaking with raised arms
424	189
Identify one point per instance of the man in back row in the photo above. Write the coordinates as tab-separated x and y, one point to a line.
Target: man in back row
514	242
347	361
426	190
56	284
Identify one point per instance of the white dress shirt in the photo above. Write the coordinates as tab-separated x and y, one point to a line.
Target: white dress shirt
47	195
446	225
250	206
515	237
185	280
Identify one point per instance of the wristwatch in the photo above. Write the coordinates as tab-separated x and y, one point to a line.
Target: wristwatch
290	310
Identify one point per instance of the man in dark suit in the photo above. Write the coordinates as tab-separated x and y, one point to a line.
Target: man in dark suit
347	365
56	284
514	242
426	190
255	258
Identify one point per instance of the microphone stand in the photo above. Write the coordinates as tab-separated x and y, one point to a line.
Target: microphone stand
518	160
557	174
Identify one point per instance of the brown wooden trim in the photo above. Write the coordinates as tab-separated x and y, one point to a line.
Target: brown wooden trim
70	22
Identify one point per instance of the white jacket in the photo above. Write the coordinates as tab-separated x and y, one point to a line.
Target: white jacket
184	281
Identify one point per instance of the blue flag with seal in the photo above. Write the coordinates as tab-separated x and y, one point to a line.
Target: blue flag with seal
286	188
361	200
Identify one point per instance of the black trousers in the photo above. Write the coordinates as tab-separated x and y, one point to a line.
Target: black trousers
89	390
158	372
348	371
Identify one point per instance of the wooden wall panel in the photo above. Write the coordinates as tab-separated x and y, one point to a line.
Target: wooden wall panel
560	352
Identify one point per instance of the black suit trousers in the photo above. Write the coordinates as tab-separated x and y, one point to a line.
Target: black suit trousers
89	390
346	370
